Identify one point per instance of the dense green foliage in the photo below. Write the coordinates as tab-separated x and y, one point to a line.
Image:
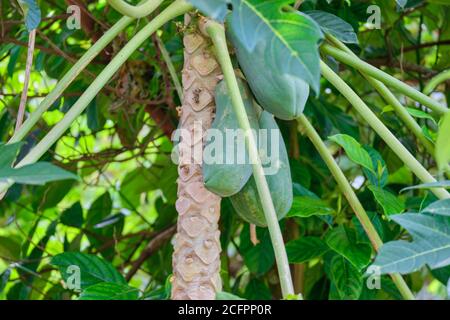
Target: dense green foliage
102	198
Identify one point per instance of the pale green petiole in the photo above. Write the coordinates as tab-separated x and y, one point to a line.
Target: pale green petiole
217	34
351	197
387	79
437	80
139	11
403	153
390	98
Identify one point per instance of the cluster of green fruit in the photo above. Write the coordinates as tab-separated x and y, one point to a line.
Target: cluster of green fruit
281	95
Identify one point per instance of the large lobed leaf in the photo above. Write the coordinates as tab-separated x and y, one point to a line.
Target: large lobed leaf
430	245
290	39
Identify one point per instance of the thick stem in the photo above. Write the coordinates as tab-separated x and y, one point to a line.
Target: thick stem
138	11
217	34
71	75
196	256
384	77
177	8
390	98
437	80
353	200
381	130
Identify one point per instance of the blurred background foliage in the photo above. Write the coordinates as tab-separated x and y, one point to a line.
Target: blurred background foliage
123	209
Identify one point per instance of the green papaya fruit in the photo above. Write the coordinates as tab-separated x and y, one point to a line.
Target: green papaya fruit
246	202
226	165
281	94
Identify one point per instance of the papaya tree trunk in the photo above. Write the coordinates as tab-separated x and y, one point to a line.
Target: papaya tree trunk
196	257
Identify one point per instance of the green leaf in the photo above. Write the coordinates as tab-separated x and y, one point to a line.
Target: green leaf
32	13
257	290
215	9
135	183
441	208
305	249
161	175
430	245
4	278
73	217
102	224
420	114
354	150
8	154
227	296
305	206
377	223
9	248
334	25
36	174
401	3
442	274
443	145
109	291
389	202
347	280
381	174
343	241
93	269
440	184
100	209
52	194
260	258
290	39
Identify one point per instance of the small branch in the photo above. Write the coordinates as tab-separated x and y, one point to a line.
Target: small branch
170	67
23	98
152	246
24	44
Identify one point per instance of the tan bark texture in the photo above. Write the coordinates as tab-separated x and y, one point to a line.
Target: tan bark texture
196	258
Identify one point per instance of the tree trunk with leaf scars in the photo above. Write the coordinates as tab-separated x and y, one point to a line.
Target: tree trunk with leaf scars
196	257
